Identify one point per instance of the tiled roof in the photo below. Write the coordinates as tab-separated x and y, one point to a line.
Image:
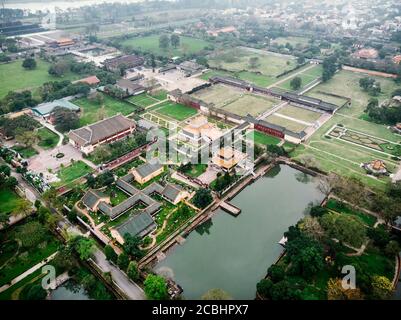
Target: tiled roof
138	225
101	130
48	107
92	197
147	169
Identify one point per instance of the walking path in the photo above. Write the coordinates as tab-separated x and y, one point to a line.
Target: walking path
293	119
131	289
291	75
53	129
28	272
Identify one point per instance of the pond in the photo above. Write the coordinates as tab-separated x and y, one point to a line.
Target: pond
233	253
70	290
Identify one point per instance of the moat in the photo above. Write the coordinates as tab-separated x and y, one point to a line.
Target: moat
233	253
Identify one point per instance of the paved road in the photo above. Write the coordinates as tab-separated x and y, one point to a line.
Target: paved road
133	291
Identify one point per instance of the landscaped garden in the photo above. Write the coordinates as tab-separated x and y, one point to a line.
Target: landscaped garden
76	170
175	110
93	110
14	77
9	200
150	44
47	138
25	152
22	247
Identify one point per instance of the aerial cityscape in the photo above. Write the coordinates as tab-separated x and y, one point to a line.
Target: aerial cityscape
200	150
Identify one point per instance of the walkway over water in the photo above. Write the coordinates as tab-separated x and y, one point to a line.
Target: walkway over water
230	208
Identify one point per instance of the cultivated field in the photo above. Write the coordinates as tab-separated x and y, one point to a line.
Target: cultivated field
288	124
92	111
13	77
251	104
150	44
299	113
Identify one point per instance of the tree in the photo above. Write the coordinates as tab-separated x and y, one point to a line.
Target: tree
133	271
216	294
392	248
382	288
35	292
59	68
27	138
330	66
263	287
253	62
111	255
164	41
175	40
4	218
312	227
152	62
123	261
65	119
202	198
29	63
296	83
131	246
344	228
23	207
155	287
276	272
335	291
83	246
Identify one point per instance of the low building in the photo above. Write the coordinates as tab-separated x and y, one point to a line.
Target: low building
45	110
105	131
227	158
147	171
199	130
92	199
397	128
190	67
376	167
129	61
138	226
397	59
92	81
131	88
174	193
367	53
215	33
63	42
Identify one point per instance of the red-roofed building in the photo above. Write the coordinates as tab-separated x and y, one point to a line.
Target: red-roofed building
397	59
92	80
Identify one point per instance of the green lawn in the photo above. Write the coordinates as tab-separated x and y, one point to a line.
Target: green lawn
299	113
159	95
150	44
47	139
196	170
9	200
143	100
307	77
367	219
26	152
72	172
263	139
346	83
14	77
176	111
237	60
91	110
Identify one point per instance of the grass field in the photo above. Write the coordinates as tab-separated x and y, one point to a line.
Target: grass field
14	77
346	83
150	44
26	152
90	109
307	77
296	42
261	138
74	171
251	104
9	200
238	60
47	138
343	158
143	100
176	111
299	113
218	94
288	124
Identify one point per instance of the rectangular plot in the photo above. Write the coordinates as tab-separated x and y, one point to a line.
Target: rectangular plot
251	104
217	94
288	124
300	113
